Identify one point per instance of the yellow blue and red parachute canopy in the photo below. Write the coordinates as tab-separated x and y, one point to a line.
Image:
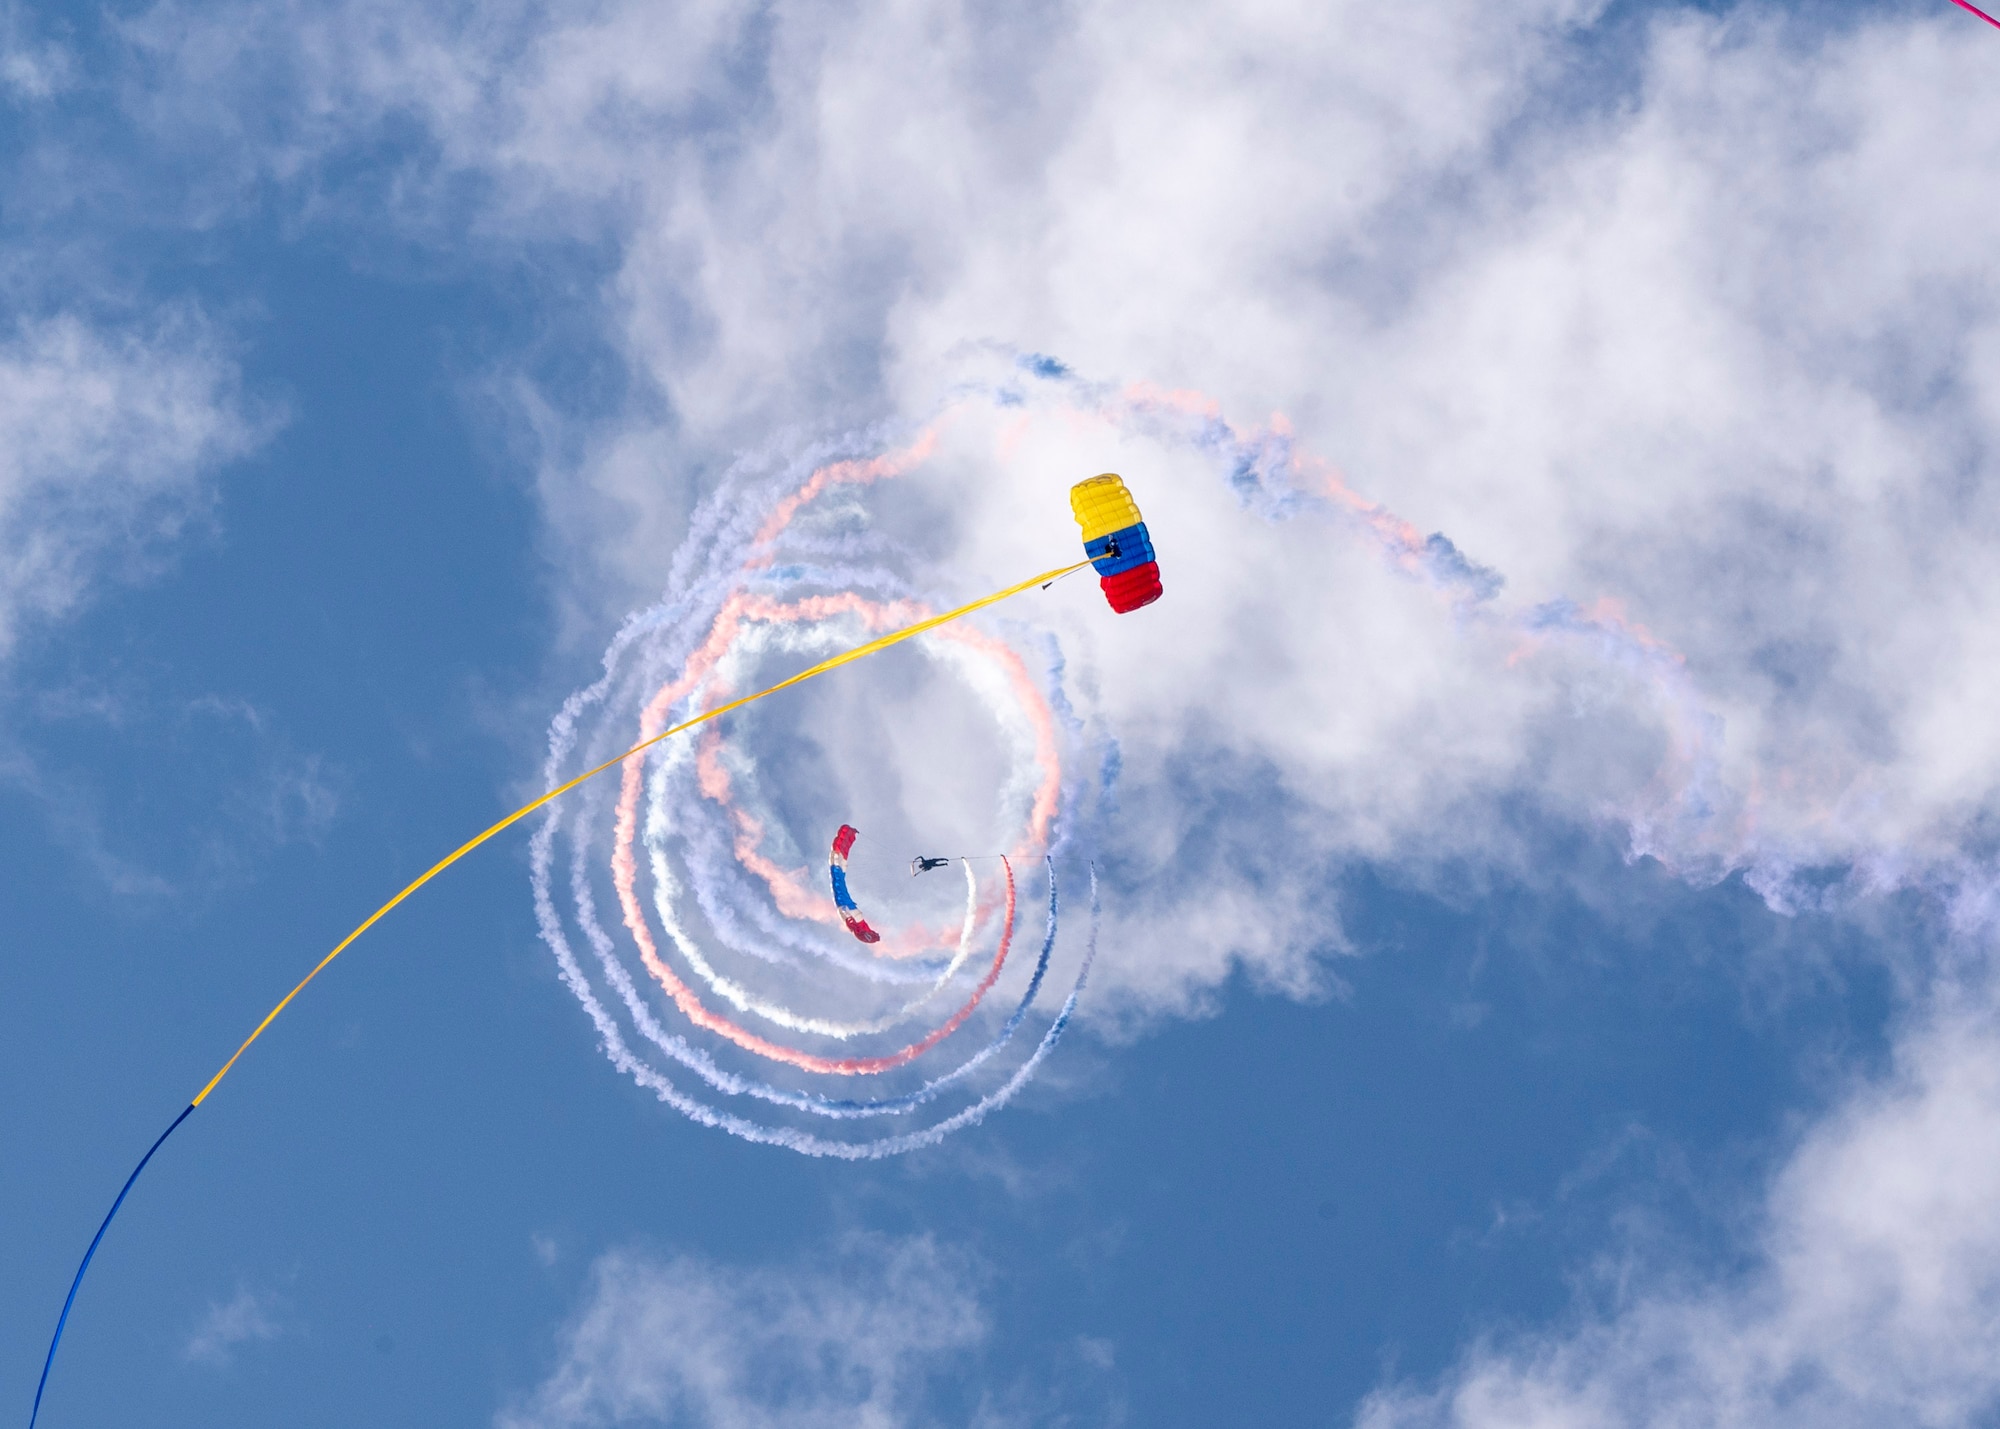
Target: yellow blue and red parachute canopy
1115	539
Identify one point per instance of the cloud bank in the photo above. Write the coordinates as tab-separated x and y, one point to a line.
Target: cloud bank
1686	325
1716	346
1873	1297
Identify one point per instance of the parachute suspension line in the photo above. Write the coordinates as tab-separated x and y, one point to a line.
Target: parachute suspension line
833	662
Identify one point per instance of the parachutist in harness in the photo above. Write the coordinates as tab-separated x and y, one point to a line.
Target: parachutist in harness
920	864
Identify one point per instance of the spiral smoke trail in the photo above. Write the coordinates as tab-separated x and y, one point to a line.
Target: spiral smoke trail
680	901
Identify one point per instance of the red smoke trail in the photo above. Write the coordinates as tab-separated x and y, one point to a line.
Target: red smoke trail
1977	11
692	1008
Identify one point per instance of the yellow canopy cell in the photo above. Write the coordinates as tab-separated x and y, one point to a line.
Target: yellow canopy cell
1103	505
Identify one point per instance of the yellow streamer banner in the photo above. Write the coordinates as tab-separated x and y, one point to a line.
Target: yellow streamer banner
833	662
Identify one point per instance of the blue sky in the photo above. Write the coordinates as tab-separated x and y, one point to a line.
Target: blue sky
1569	1005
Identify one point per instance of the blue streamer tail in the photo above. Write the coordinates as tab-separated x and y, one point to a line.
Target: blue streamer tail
74	1285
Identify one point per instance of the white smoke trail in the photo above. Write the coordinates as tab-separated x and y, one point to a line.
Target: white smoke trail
780	566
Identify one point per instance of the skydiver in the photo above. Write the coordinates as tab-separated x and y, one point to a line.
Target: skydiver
920	864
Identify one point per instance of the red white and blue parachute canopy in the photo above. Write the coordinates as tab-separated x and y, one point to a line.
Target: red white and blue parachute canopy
1115	539
843	845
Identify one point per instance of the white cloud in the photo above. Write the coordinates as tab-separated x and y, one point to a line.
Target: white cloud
1715	366
802	209
290	795
111	440
680	1341
246	1318
1873	1296
110	443
108	447
31	68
